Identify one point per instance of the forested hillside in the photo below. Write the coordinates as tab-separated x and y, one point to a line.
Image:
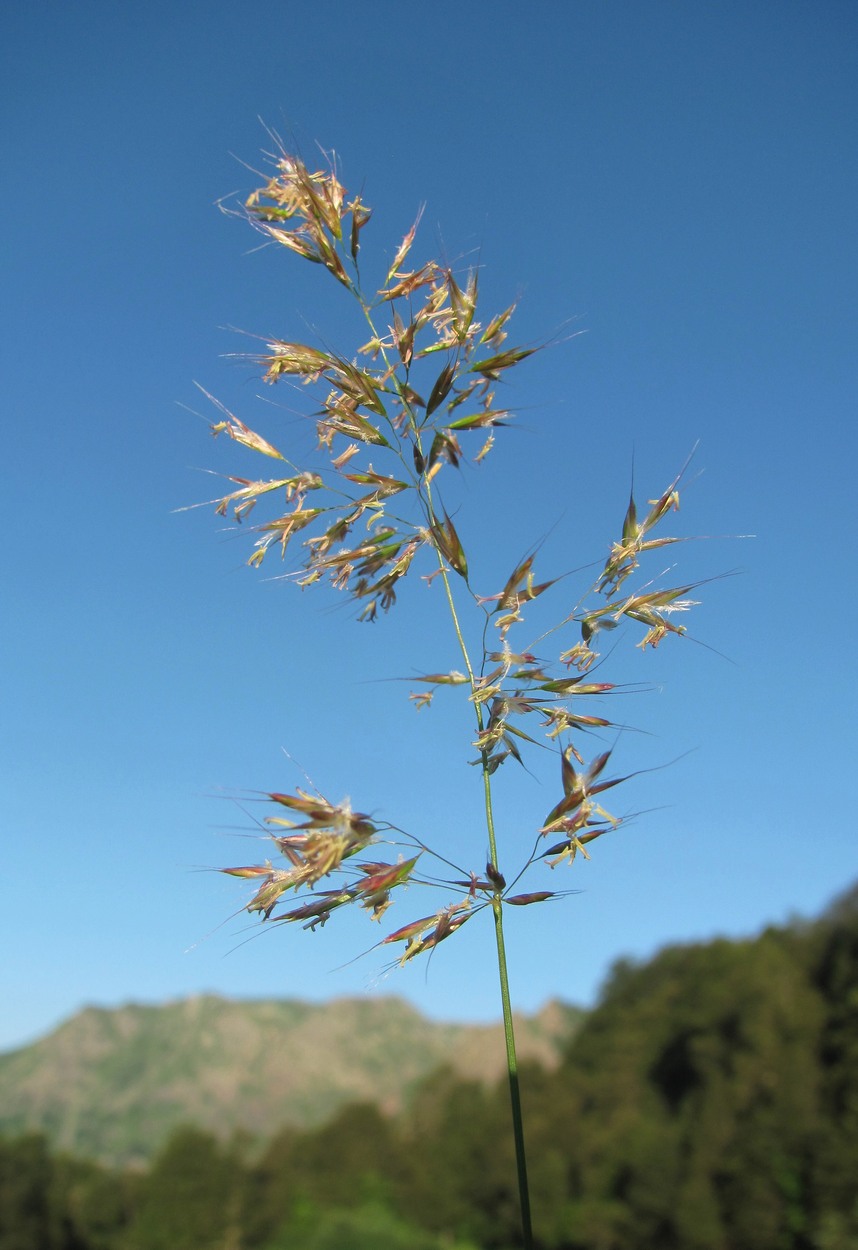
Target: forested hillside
113	1084
709	1102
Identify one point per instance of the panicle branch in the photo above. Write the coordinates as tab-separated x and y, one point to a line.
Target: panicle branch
371	401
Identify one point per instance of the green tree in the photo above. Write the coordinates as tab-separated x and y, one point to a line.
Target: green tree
29	1219
354	1158
96	1203
192	1199
834	970
369	1226
690	1104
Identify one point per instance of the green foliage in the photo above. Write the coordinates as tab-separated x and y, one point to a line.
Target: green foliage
28	1219
359	1142
97	1204
706	1104
59	1203
193	1197
836	979
697	1083
367	1227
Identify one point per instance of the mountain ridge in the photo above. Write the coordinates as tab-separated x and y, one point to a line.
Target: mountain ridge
112	1083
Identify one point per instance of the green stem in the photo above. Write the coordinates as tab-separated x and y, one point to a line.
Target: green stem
497	910
497	902
512	1075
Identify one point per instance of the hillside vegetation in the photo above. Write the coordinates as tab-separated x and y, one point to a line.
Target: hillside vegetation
113	1084
709	1102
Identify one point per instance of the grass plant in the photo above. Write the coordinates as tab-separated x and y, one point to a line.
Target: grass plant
394	419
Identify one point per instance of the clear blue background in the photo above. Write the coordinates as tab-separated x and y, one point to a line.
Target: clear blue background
679	181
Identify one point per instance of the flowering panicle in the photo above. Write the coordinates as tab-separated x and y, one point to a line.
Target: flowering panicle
390	421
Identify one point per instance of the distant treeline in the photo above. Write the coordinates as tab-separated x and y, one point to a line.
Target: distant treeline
710	1102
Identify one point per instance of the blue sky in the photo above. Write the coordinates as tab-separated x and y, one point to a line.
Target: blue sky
678	181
